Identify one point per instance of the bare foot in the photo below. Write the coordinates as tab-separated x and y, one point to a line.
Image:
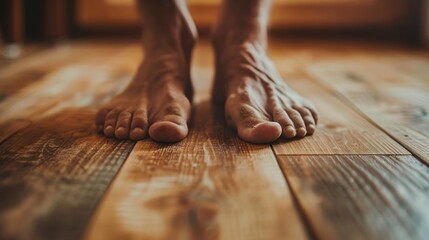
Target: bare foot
258	103
158	100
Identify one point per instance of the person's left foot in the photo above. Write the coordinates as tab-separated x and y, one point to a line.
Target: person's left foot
258	103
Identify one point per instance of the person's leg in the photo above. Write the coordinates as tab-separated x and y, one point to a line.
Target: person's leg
158	100
257	101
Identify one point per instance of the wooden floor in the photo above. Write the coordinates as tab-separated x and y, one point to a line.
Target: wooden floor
363	175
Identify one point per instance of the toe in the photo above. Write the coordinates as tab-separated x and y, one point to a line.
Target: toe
100	118
123	125
110	123
310	107
167	131
260	132
298	122
253	127
288	129
171	124
138	128
314	113
309	121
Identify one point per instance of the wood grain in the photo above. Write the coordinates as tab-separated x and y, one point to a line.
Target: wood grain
211	185
28	70
389	95
54	168
361	197
53	173
340	129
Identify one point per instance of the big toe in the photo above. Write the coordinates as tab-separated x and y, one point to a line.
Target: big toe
166	131
264	132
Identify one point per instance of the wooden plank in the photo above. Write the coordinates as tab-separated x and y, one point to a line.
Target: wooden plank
71	81
211	185
9	128
52	175
340	129
76	82
199	183
395	100
361	197
16	82
54	168
28	70
27	49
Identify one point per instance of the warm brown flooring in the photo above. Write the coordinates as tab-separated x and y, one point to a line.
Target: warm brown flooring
363	175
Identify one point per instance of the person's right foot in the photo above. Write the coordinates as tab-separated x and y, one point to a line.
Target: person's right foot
158	100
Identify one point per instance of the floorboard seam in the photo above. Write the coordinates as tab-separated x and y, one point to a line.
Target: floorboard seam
349	103
85	231
311	234
356	109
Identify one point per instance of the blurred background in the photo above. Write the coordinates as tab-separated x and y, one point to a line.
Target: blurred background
24	21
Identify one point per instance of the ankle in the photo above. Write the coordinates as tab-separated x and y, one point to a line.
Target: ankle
242	21
167	25
227	37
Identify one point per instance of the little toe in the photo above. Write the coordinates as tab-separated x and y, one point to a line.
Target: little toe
308	119
298	122
123	125
311	129
138	128
313	112
110	123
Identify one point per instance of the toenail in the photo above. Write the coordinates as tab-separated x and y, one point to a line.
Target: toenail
291	130
137	129
109	127
301	131
120	128
311	128
137	133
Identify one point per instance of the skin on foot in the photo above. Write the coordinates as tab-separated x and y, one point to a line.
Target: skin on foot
258	103
154	104
158	100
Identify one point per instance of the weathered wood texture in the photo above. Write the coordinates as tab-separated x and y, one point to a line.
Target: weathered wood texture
350	180
46	85
32	68
340	130
361	197
391	89
54	168
52	174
